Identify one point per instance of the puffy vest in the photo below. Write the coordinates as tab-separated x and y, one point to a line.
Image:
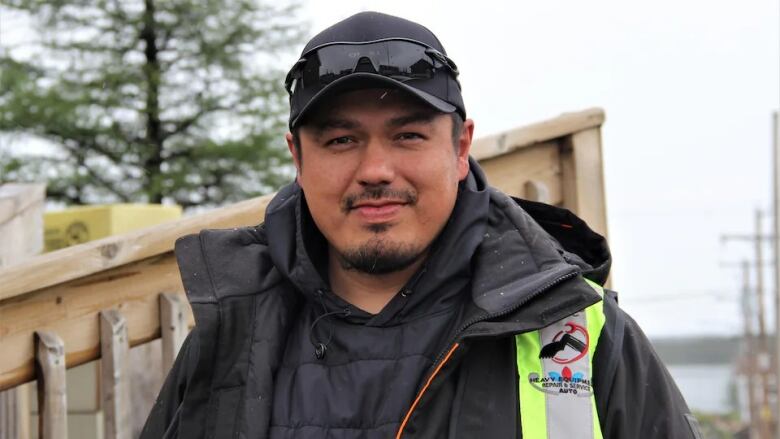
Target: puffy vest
555	372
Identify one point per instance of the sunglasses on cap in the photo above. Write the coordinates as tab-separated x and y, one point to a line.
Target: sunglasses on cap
400	59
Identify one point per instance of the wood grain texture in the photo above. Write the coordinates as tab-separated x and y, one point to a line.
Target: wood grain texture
583	178
173	328
540	163
21	237
561	126
71	310
114	383
104	254
52	400
536	191
18	198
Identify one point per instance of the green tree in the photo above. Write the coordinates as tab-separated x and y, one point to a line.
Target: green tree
148	100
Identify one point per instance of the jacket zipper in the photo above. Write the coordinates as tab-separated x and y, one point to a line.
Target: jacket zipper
445	355
504	312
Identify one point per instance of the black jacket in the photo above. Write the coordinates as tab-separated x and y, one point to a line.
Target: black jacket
244	299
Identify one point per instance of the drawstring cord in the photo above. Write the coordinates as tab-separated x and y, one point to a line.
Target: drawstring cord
321	348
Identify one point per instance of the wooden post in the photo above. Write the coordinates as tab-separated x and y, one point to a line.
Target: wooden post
114	385
583	178
52	400
173	327
536	191
21	236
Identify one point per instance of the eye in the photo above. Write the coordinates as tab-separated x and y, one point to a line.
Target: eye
410	136
343	140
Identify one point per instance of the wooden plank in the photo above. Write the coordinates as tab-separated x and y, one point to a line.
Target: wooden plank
70	309
21	237
537	191
21	222
563	125
16	198
10	416
103	254
173	328
583	178
540	163
52	402
146	380
114	385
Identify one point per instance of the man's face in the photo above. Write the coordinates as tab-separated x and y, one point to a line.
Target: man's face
380	175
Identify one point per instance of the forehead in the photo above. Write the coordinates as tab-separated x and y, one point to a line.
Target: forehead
392	102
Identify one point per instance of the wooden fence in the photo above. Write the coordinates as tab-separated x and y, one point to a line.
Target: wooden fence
96	300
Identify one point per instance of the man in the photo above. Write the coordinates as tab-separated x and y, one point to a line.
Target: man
390	292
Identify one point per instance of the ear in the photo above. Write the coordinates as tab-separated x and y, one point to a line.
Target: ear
464	148
293	152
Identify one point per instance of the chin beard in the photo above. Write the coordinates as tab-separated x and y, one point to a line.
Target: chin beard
380	257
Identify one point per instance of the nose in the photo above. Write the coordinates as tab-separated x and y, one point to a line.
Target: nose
376	165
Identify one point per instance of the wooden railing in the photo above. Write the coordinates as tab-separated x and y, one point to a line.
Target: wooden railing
95	300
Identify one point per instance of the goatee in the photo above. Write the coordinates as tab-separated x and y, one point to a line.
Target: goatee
377	256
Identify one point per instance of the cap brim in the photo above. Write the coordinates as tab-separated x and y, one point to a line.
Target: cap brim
362	80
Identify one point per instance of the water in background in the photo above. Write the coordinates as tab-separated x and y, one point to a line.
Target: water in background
706	388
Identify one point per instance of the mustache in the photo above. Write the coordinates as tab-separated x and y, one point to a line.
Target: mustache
379	192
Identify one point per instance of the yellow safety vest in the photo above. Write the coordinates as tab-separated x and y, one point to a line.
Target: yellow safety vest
555	370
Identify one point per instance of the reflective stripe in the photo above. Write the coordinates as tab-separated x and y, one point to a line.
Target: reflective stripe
555	392
532	405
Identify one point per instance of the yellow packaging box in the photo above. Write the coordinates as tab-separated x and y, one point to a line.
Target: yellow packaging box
80	224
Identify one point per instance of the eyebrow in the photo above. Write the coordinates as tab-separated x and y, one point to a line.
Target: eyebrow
322	125
416	117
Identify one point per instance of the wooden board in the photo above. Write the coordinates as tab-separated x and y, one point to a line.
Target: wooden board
96	256
583	178
52	402
21	237
540	163
511	140
71	311
114	382
173	328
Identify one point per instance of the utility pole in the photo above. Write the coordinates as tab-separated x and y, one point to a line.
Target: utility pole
761	358
750	354
776	248
762	353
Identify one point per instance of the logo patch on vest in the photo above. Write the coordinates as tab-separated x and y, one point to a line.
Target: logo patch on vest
564	382
568	345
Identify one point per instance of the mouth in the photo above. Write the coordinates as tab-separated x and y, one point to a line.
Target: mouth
375	211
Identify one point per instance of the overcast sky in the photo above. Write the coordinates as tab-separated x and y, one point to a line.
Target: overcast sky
688	88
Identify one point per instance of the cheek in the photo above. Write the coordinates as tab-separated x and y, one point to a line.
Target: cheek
439	175
323	191
437	188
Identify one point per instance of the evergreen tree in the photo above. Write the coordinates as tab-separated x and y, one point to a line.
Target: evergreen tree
148	100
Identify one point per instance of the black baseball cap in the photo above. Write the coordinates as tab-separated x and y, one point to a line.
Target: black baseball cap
371	49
